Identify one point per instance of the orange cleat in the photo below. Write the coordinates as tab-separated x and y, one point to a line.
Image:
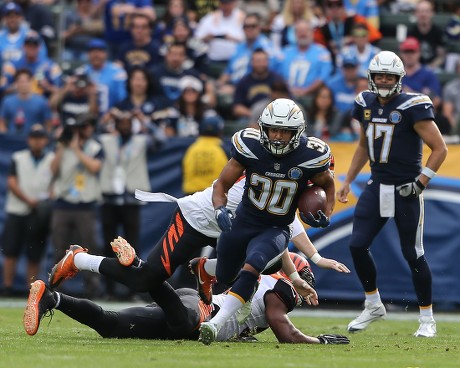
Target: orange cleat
41	300
203	280
65	268
126	254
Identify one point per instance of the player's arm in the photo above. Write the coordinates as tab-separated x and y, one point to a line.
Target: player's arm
360	158
279	322
429	132
229	175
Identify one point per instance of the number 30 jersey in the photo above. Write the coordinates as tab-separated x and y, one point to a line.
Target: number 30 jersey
274	183
394	147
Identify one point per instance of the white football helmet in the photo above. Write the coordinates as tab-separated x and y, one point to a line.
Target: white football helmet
385	62
284	114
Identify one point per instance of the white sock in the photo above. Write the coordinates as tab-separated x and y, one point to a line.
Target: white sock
374	297
210	266
87	262
426	311
231	305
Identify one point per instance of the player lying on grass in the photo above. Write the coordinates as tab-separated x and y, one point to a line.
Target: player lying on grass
182	312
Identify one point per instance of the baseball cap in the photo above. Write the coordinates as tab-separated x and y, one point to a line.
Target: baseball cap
32	37
37	131
211	125
96	44
11	8
190	82
410	44
349	60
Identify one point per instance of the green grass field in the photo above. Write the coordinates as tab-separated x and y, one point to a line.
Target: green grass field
388	344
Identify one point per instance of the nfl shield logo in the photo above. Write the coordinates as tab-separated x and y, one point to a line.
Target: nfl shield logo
277	166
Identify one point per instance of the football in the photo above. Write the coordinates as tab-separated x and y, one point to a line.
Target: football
312	200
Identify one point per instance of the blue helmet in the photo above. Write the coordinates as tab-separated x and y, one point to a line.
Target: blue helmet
212	125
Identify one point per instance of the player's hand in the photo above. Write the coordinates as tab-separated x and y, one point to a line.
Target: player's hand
411	190
306	291
332	264
333	339
309	219
342	193
224	218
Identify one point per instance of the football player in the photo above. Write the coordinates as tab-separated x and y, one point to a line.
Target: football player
278	161
394	126
182	315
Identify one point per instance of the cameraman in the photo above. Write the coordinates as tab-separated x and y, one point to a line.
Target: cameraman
75	167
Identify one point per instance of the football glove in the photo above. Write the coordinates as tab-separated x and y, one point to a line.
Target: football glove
309	219
411	190
333	339
224	218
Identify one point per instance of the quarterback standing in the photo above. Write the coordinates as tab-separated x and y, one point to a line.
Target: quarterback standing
394	127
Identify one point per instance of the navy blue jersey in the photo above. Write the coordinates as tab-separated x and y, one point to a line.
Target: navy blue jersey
274	183
394	147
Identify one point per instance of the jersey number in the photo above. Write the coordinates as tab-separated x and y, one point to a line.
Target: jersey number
274	197
376	131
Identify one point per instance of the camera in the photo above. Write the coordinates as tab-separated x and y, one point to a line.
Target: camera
68	131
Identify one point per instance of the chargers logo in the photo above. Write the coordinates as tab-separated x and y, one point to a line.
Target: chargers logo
395	117
295	173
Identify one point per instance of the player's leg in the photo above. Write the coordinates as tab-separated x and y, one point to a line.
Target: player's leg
409	221
367	222
109	222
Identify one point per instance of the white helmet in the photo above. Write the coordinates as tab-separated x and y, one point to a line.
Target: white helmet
385	62
281	113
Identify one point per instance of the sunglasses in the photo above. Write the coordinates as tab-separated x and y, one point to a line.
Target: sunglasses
250	25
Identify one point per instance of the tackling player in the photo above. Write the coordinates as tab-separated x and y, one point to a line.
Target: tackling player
394	126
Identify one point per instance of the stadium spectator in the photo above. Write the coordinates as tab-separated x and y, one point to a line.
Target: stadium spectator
240	63
343	84
151	112
75	167
267	11
222	30
178	314
81	24
142	49
200	8
205	158
124	169
175	9
306	65
324	120
283	26
336	33
397	184
13	33
27	208
452	32
451	102
196	50
430	36
360	48
78	96
254	86
368	9
20	110
40	19
191	109
117	20
109	78
47	75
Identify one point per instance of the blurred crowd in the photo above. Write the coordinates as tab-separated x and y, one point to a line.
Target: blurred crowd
100	83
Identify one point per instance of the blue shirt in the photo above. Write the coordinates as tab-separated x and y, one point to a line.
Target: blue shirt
12	45
424	81
344	95
366	8
111	84
20	115
301	68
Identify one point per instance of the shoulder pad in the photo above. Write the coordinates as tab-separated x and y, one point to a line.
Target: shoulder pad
243	138
321	154
414	100
360	99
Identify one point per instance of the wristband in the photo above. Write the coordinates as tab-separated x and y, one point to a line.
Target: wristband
294	276
315	258
428	172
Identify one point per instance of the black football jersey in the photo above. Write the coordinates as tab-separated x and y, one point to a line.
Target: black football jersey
274	183
394	147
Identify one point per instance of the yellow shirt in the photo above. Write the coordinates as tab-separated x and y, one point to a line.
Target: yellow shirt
202	163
